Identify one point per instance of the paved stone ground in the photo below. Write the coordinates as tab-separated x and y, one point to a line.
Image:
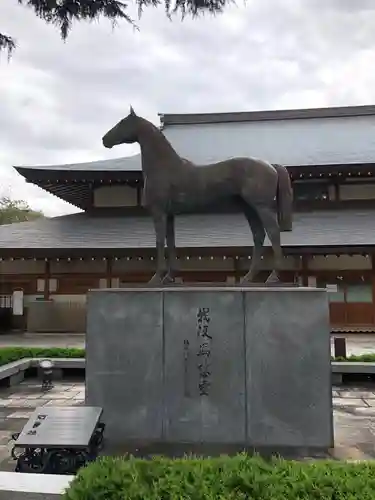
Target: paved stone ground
45	340
354	415
356	343
19	402
354	422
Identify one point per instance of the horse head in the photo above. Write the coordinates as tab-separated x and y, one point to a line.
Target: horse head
125	131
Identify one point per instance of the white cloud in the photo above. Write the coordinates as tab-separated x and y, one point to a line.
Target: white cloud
58	99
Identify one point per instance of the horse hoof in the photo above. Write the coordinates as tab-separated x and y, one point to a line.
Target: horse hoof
156	280
247	280
168	280
273	279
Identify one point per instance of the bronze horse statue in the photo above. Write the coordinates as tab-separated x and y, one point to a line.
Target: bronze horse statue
173	185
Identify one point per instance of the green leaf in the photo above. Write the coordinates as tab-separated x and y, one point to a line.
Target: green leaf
63	13
224	478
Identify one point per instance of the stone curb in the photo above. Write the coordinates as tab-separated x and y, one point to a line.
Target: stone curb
22	486
340	368
358	367
16	369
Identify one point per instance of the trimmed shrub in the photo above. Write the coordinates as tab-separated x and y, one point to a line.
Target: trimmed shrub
9	354
362	358
225	478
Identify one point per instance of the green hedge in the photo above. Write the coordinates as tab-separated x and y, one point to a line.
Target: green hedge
236	478
9	354
364	358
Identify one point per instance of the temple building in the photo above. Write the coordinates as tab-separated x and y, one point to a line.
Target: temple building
48	265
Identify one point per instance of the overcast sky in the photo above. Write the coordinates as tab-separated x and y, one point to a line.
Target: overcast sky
57	99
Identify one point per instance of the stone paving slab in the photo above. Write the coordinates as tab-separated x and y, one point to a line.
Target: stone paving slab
370	402
19	402
345	402
356	394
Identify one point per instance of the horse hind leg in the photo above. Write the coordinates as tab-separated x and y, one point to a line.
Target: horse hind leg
172	256
259	235
269	219
160	225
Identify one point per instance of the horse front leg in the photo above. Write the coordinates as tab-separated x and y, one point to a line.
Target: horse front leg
160	225
269	219
172	256
259	234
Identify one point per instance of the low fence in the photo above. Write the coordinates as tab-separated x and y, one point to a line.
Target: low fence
56	317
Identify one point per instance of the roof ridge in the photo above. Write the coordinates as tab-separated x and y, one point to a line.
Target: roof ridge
68	166
263	115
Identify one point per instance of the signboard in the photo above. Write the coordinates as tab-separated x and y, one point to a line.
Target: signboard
18	303
311	281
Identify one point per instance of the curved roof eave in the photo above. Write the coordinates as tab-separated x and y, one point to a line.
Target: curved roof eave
123	164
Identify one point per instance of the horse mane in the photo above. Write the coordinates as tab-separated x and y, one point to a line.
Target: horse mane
152	136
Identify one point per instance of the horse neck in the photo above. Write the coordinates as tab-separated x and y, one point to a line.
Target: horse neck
156	150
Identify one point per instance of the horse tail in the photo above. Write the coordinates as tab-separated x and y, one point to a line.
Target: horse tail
284	198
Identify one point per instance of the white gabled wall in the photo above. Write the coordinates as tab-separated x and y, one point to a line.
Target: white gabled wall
290	142
115	196
27	266
339	263
357	191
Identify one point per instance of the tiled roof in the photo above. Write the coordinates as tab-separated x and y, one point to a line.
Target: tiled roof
80	231
129	163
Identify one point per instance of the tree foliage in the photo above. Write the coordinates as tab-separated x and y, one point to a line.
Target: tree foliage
238	477
62	13
7	43
16	211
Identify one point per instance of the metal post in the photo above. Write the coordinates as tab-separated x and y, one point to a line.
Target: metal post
339	347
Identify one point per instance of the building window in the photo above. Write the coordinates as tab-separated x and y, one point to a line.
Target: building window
359	293
336	296
103	283
350	293
357	192
40	285
311	191
53	285
115	282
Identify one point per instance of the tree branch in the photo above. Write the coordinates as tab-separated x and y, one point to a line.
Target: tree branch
62	13
7	43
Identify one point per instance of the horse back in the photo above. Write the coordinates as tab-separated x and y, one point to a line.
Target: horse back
240	169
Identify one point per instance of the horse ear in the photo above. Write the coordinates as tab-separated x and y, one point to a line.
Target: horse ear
132	112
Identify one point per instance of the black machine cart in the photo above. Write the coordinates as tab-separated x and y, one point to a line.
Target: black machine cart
59	440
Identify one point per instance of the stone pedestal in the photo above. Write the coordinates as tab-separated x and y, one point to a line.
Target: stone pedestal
223	366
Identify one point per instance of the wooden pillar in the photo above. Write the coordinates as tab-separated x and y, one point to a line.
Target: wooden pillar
337	191
91	195
304	270
109	272
47	277
339	344
373	286
236	269
139	195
